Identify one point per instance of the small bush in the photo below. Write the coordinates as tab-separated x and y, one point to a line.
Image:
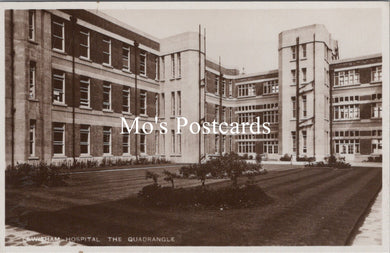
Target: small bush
332	162
306	159
286	157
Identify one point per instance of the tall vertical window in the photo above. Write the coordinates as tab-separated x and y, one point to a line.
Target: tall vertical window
223	143
179	102
173	142
142	142
173	103
376	74
223	87
217	85
157	65
126	58
294	107
304	101
230	88
84	92
376	146
107	140
304	51
58	35
294	142
178	65
156	142
173	66
162	68
162	111
32	138
293	76
142	98
31	25
293	53
58	139
223	113
58	87
376	110
304	136
179	143
142	63
107	51
216	144
125	142
156	102
106	96
84	139
230	115
32	79
84	44
304	74
126	99
217	113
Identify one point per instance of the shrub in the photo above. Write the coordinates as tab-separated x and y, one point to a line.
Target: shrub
305	159
286	157
152	175
332	162
169	177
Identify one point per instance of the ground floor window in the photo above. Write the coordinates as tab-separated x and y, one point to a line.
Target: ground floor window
376	145
351	146
246	147
84	139
32	138
142	142
58	138
107	140
125	142
270	147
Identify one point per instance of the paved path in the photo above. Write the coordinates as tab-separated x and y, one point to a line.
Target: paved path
370	233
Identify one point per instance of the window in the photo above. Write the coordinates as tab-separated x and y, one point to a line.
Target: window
350	77
84	92
270	87
246	146
304	136
107	51
178	65
294	107
142	63
376	146
216	144
304	101
142	142
107	140
142	98
173	103
156	102
270	147
32	79
126	99
245	117
32	138
230	115
304	51
84	44
230	88
376	110
173	66
58	87
294	142
106	96
246	90
162	111
348	146
179	102
217	113
173	142
157	65
179	143
58	35
126	58
84	139
223	88
223	114
304	77
217	85
162	68
125	142
293	76
58	139
346	112
376	74
293	53
270	116
31	25
326	54
156	142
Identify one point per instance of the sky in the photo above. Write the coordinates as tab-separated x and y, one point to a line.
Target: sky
249	38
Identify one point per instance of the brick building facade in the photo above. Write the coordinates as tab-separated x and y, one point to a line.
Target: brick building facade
71	75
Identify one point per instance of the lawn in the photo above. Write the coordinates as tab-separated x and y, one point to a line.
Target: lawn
310	207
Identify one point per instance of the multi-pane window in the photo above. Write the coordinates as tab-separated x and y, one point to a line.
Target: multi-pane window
107	140
216	143
350	77
157	65
246	146
32	79
84	139
142	63
293	53
294	142
173	103
126	57
304	137
376	110
142	100
349	146
84	92
162	68
326	53
31	25
156	102
246	90
270	87
304	51
376	146
223	87
179	143
304	74
245	117
294	107
217	85
346	112
156	142
85	43
270	116
304	101
223	143
126	99
162	111
106	96
125	142
293	76
179	102
58	35
230	88
217	113
173	66
178	65
58	138
173	142
376	74
58	87
230	114
32	138
107	51
270	147
223	114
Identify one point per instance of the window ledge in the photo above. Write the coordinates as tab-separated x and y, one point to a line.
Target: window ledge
59	156
33	100
86	156
143	115
107	65
303	59
85	108
108	110
178	78
375	82
59	51
127	113
126	71
107	155
60	104
143	75
32	41
33	158
85	59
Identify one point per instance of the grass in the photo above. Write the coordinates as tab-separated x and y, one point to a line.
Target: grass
311	207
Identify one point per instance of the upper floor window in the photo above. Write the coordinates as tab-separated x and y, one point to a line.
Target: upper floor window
376	110
230	88
58	35
178	65
106	96
223	87
294	107
31	25
270	87
156	102
376	74
349	77
84	92
217	85
173	66
32	79
84	44
293	52
162	68
179	103
173	103
351	111
157	65
304	101
304	51
143	104
293	76
246	90
126	57
304	74
126	99
107	51
142	63
58	87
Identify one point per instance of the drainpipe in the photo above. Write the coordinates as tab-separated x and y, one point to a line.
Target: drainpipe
220	105
73	21
136	44
314	95
199	98
297	96
204	88
12	92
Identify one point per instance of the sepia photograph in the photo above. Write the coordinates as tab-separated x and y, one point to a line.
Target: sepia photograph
145	125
